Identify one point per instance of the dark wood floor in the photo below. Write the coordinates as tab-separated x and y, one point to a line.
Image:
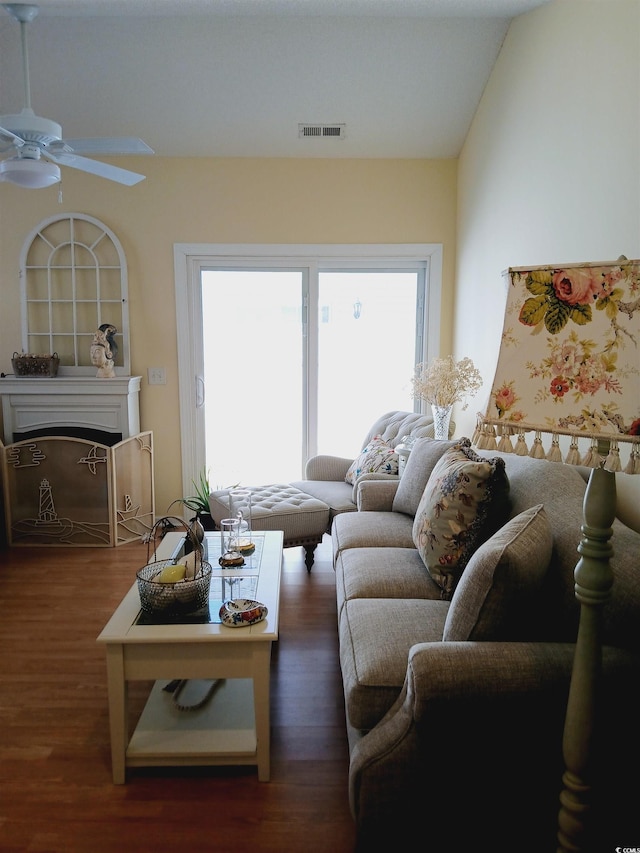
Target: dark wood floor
56	792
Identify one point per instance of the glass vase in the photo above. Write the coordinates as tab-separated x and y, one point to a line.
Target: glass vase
229	528
441	421
240	502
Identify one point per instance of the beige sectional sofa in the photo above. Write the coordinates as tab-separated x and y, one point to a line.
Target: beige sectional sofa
455	707
326	477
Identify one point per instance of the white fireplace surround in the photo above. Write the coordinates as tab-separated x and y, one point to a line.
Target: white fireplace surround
55	403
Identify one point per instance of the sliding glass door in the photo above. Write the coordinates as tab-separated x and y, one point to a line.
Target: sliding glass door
289	351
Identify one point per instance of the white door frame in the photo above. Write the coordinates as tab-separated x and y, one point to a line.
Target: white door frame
191	258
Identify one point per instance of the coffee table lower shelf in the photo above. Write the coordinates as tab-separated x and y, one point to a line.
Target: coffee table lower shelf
221	732
233	726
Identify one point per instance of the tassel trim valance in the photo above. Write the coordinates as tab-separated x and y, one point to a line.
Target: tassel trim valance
489	436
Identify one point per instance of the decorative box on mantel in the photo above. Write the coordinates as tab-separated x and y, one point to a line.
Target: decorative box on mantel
105	410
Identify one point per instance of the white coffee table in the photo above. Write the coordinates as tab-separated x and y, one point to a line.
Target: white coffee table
231	728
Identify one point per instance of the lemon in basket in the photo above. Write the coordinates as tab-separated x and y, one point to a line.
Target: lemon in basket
171	574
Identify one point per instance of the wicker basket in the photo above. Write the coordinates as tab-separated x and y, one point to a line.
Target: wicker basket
173	599
25	364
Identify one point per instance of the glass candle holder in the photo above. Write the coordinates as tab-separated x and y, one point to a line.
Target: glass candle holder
240	500
231	556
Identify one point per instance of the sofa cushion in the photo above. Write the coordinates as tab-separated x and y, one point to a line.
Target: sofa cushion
464	503
562	489
371	530
496	595
375	637
382	573
377	457
424	455
338	495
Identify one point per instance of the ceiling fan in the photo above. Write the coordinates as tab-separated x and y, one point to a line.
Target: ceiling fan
37	144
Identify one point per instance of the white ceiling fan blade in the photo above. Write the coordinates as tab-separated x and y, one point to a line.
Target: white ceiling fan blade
103	145
95	167
9	140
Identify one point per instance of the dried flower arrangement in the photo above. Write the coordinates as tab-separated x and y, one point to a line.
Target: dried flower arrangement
444	381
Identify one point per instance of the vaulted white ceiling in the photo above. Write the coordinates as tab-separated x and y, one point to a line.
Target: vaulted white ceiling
234	78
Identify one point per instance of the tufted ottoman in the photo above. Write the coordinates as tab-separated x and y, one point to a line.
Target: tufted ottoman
303	518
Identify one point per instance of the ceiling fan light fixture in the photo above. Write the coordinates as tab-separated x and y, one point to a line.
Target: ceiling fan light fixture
31	174
30	136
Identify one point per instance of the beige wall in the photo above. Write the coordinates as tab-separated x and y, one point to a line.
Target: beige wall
550	171
235	201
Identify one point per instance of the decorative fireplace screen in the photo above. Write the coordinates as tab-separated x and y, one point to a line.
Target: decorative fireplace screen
67	491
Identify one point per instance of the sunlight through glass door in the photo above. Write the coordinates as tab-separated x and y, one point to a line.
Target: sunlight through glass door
369	339
253	375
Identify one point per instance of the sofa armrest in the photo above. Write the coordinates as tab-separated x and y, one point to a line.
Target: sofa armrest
476	725
376	495
333	468
373	475
492	669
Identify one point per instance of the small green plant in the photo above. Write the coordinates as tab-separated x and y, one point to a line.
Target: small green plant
198	502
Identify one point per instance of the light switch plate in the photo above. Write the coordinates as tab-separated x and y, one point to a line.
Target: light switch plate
156	376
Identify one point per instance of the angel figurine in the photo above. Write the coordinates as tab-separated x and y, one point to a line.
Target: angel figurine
103	351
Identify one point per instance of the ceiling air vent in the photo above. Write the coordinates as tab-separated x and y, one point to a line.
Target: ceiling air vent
321	131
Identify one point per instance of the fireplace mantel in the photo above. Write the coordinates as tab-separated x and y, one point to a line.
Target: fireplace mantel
35	405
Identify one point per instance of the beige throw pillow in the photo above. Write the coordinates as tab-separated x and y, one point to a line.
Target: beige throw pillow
496	598
464	502
424	455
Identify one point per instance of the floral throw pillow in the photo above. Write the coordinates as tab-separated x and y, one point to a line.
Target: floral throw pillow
464	502
378	457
